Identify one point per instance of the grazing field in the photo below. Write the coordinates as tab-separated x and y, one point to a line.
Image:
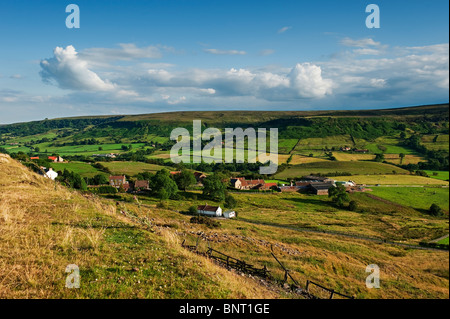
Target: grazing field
348	157
418	198
392	180
286	145
436	142
131	168
299	159
318	143
331	167
86	150
83	169
442	175
389	145
408	159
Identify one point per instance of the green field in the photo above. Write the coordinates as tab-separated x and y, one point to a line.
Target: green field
388	145
84	169
416	197
444	241
131	168
442	175
324	168
391	180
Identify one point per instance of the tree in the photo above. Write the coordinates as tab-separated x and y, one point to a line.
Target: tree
435	210
230	202
379	157
185	179
100	179
162	185
338	195
402	156
214	188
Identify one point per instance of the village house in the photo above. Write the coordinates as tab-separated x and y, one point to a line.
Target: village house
56	159
199	177
211	211
119	181
141	185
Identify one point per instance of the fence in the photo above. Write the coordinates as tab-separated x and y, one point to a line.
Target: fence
233	263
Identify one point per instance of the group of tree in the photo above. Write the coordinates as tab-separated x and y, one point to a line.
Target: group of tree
72	180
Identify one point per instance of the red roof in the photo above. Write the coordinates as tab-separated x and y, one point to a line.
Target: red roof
33	158
53	158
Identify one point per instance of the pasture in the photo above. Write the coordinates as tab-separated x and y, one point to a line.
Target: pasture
331	167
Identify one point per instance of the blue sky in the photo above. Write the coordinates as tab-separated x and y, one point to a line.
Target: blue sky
132	57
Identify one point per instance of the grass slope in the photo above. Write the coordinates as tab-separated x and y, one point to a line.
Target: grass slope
43	230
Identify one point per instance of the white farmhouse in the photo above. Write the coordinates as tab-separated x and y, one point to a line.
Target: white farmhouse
51	174
212	211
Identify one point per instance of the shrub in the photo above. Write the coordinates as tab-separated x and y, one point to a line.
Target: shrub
435	210
353	206
205	221
192	210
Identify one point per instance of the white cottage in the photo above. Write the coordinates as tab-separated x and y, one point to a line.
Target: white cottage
212	211
51	174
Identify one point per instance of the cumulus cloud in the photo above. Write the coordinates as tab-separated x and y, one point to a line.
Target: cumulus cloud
71	72
399	75
304	81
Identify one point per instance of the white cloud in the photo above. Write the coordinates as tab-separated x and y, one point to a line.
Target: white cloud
127	51
361	43
71	72
284	29
224	52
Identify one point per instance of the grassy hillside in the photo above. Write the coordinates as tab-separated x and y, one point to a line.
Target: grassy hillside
43	230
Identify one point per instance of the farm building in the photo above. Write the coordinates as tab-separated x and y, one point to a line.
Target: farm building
229	214
320	188
56	159
311	178
212	211
243	184
289	189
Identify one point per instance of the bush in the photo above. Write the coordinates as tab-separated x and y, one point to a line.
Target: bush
192	210
205	221
435	210
353	206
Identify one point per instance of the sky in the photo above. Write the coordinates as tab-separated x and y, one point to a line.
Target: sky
136	56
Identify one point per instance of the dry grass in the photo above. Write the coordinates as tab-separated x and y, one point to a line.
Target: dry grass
43	230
